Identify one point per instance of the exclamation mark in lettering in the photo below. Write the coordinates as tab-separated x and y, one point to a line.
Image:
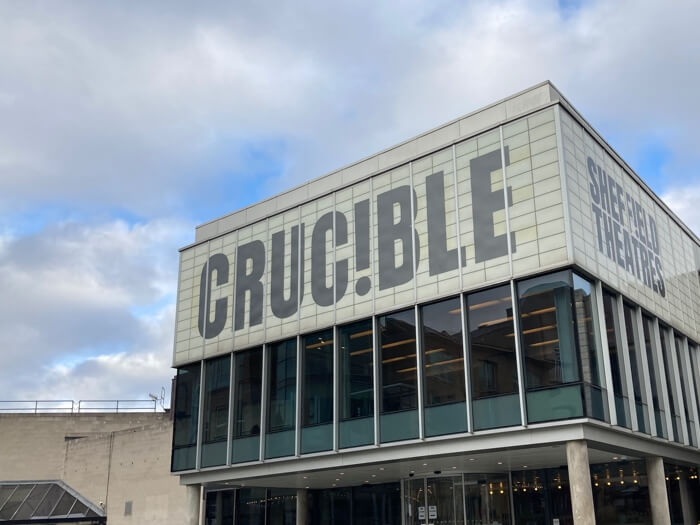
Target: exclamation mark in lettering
363	284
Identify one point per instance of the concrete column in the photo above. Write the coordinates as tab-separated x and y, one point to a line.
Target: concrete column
193	496
658	498
302	506
580	482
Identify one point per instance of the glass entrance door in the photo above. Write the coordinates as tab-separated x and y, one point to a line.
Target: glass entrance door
434	501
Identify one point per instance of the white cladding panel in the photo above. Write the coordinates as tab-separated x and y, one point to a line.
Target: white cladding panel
349	254
624	237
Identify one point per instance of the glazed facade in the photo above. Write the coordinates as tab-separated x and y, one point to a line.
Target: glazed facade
477	289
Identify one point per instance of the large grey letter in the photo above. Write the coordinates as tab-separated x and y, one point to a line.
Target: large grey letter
322	294
280	306
254	252
485	203
389	231
218	262
440	259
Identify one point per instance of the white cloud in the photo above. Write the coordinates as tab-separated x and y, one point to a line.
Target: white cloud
71	294
144	108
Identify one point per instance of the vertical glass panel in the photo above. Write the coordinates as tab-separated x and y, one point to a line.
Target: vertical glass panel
317	392
494	369
445	501
246	398
542	497
620	493
585	313
654	377
695	374
689	420
250	506
330	507
612	327
185	418
219	508
399	396
635	365
281	507
443	368
215	415
549	348
356	425
487	499
29	507
668	370
17	497
376	504
414	506
281	395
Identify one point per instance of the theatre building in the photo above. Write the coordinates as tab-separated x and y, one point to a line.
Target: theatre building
494	322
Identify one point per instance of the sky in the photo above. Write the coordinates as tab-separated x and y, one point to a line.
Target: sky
123	125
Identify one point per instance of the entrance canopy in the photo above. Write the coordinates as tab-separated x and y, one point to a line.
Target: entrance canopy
44	502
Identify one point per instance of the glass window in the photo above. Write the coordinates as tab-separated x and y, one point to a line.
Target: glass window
281	395
219	508
281	507
376	504
443	368
399	397
689	418
246	396
620	493
215	416
668	369
695	374
586	316
317	392
635	364
612	327
250	506
487	498
553	377
542	497
654	377
356	379
185	418
494	368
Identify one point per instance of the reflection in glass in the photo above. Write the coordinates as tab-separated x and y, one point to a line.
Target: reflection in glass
654	377
668	372
445	500
185	419
494	372
281	507
487	499
250	506
356	379
689	421
635	364
695	374
443	363
542	496
617	367
281	408
219	508
317	392
549	348
585	314
246	422
215	415
399	399
620	493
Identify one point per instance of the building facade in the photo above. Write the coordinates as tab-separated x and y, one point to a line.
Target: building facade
494	322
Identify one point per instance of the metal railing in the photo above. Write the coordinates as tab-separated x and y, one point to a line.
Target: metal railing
79	407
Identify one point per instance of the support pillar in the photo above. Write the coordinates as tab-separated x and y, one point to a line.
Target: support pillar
193	495
658	497
302	506
580	483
